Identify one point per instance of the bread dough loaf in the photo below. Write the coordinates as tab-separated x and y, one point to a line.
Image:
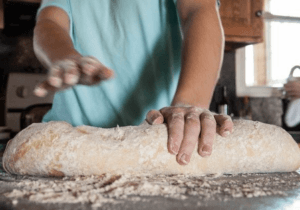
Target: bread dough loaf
58	149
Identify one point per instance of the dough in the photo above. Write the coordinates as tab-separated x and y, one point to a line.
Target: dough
58	149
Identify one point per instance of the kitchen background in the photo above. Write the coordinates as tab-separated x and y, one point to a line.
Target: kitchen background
242	23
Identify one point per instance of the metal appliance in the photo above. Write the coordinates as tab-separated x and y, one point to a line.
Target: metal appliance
293	131
22	106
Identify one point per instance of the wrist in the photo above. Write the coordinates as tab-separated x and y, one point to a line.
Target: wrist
185	103
74	56
193	95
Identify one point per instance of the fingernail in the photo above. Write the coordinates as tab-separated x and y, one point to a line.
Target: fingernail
71	79
226	133
206	150
55	81
183	159
40	92
174	149
156	121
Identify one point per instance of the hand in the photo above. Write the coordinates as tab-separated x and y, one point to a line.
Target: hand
69	72
188	126
293	89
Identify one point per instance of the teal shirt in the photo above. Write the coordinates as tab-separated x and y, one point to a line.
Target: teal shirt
140	40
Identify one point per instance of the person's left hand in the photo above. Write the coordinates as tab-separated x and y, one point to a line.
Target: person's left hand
292	89
188	126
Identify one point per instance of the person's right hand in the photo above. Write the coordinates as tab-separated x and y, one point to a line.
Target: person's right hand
69	72
292	89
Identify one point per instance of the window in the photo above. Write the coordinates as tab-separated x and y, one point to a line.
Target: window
262	69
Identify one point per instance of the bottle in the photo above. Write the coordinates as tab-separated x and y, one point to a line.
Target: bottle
246	112
223	104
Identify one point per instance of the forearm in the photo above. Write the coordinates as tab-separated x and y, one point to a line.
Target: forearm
202	54
52	43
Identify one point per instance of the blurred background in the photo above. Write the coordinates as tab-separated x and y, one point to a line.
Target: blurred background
262	45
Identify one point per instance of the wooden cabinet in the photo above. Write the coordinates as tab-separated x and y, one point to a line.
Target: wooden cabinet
242	21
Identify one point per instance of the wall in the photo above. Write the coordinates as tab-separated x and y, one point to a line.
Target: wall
268	110
227	78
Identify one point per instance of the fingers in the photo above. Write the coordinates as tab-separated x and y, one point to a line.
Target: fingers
93	71
92	67
224	124
293	94
66	73
188	126
70	72
61	75
208	134
175	120
55	76
154	117
292	84
191	136
292	89
42	89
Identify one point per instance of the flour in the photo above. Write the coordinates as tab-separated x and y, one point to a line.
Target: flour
99	190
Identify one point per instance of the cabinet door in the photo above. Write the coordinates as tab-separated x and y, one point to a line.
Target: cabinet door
242	20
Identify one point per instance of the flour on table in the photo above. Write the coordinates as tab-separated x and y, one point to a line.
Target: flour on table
99	190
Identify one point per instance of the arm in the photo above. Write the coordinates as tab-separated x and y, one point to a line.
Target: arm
189	121
54	48
52	41
202	53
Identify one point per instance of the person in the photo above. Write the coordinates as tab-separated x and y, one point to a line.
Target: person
292	89
117	62
291	104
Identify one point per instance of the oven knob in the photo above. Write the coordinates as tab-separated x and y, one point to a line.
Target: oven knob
22	92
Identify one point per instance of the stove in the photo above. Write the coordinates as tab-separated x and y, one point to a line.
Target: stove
22	106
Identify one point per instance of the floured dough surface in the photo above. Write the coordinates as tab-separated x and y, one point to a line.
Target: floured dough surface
114	189
58	149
